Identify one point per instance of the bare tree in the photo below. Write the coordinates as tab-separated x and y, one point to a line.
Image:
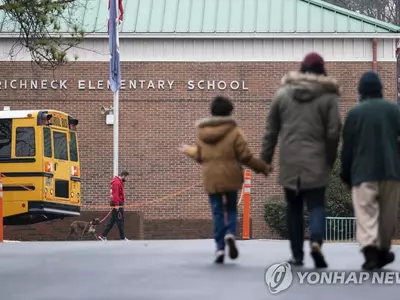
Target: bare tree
41	27
5	135
384	10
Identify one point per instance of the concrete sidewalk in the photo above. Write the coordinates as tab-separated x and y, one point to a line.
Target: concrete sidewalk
170	270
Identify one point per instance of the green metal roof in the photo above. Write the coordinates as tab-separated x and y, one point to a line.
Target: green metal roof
223	16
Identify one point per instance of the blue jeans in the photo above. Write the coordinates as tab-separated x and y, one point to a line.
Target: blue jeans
218	208
314	199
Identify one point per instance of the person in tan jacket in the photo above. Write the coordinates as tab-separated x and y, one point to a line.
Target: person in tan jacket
222	149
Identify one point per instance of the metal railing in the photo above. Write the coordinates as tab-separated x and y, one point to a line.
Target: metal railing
339	229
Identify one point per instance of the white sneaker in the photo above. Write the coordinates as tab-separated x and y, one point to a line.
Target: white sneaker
219	257
125	239
233	250
102	238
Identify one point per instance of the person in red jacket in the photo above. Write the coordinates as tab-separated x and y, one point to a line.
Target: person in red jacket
117	200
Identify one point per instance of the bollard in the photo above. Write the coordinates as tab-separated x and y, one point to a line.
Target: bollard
1	210
246	204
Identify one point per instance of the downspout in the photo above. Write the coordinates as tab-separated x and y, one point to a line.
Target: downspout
398	69
375	55
398	48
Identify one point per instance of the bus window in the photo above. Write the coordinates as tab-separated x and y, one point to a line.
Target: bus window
5	138
73	150
60	145
25	142
48	149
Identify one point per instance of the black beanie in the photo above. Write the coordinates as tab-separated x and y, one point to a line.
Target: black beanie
370	86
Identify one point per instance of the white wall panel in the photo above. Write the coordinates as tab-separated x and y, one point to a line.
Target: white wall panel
222	49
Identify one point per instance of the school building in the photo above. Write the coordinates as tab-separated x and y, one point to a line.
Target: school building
176	55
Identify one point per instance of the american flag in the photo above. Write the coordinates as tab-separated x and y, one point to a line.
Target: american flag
113	21
121	12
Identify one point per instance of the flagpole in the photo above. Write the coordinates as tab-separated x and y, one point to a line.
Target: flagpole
116	106
115	73
116	131
116	111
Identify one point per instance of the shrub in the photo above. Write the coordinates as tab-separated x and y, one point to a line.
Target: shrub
275	217
338	197
338	204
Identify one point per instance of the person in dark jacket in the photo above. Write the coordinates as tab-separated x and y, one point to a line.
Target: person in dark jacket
221	148
117	200
305	113
371	167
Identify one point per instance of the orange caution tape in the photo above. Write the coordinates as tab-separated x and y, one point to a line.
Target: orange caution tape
1	212
167	197
241	197
138	204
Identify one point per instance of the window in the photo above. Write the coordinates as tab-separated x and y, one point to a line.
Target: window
5	138
47	147
73	149
60	145
25	142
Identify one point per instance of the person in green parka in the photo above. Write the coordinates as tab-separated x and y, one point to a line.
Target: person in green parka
371	168
304	117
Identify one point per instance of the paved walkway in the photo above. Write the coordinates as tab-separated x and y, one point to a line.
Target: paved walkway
170	270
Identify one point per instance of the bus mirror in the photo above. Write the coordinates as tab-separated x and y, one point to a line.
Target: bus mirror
73	123
44	119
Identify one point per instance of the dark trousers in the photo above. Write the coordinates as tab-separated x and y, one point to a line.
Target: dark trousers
218	208
315	201
117	216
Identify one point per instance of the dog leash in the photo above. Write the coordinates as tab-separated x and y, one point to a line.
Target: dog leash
119	215
102	220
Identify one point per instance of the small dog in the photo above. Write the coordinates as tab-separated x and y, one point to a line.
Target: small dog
80	228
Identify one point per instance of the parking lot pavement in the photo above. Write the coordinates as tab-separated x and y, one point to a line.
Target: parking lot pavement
170	270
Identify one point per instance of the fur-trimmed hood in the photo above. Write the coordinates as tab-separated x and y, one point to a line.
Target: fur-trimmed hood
213	129
307	87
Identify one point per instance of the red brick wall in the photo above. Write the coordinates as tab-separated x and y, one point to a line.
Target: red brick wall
136	228
154	123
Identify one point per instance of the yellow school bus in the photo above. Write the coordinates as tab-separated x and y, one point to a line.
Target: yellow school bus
39	165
